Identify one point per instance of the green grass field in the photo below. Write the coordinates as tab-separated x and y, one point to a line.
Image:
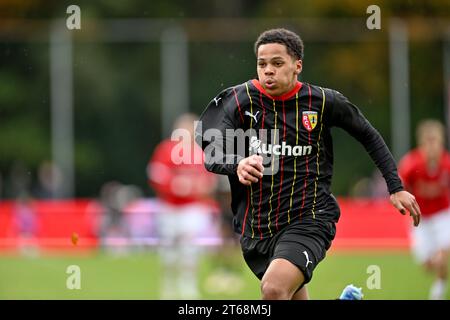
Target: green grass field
137	276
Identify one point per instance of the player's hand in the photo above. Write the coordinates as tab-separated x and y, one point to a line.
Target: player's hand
405	201
250	170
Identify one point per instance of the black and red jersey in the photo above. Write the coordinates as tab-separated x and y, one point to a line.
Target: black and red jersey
298	145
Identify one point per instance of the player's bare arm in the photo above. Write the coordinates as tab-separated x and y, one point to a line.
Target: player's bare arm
403	200
250	170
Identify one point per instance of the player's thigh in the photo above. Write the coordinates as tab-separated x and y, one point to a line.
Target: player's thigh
424	244
167	225
196	220
301	294
284	275
441	227
305	251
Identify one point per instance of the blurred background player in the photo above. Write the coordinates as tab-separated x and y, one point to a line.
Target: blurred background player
425	171
185	189
115	198
225	279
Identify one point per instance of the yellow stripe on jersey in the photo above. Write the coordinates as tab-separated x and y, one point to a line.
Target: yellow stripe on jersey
318	154
251	187
273	162
295	158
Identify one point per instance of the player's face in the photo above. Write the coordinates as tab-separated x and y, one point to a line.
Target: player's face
188	127
432	144
277	70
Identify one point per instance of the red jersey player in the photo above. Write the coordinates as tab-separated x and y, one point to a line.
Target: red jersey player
183	186
425	172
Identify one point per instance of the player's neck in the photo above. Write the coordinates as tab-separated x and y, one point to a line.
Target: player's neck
432	163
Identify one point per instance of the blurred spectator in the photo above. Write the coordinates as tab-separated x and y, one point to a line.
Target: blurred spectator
184	187
140	219
223	196
49	180
225	279
426	172
25	223
20	180
373	187
115	198
378	188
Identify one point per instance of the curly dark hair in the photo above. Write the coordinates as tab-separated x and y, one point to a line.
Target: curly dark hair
291	40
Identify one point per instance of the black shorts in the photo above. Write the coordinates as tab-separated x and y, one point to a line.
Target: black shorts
302	243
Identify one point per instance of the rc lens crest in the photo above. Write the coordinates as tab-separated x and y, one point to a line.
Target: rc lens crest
309	120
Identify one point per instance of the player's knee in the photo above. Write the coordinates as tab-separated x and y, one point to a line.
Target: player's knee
441	258
434	262
429	266
273	291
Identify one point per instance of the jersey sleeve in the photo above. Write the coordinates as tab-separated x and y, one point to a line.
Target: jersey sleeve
343	114
220	115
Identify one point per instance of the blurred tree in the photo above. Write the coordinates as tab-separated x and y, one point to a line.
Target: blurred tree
117	90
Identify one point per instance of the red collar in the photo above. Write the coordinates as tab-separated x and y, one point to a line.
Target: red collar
285	96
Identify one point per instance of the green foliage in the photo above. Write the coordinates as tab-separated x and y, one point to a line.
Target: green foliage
117	85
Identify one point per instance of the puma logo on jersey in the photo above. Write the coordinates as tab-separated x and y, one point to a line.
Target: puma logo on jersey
216	100
307	259
251	115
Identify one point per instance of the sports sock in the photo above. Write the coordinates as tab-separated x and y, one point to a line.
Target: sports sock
437	291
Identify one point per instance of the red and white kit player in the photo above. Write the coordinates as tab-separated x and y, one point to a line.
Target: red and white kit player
425	171
184	187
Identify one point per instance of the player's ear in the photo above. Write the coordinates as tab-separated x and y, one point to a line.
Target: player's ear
298	66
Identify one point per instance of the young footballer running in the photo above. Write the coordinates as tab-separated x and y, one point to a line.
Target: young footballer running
280	172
